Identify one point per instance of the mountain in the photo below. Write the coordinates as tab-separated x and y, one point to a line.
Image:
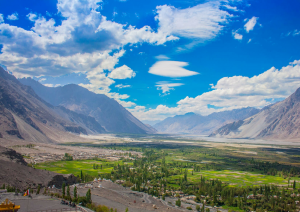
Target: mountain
106	111
278	121
192	123
24	115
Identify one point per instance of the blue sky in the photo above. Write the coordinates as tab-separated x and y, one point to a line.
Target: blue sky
158	58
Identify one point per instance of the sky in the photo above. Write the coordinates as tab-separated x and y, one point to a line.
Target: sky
158	58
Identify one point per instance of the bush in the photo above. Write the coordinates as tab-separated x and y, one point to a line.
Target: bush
82	200
178	202
189	208
198	208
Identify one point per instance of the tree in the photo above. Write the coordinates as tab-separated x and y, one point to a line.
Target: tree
38	189
126	210
294	185
75	193
178	202
89	196
63	187
198	208
68	192
81	175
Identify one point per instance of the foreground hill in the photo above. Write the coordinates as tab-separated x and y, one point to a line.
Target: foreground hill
108	112
277	121
15	172
196	124
24	115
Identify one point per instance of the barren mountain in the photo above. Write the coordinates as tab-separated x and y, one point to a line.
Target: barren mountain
277	121
192	123
108	112
24	115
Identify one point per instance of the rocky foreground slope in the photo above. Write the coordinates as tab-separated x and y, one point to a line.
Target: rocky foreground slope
15	172
196	124
278	121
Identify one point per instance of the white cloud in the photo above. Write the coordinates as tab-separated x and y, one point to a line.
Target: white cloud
237	36
1	18
122	86
202	22
171	69
166	86
52	85
13	17
55	49
122	72
162	57
32	17
249	40
231	8
250	24
128	104
294	33
232	93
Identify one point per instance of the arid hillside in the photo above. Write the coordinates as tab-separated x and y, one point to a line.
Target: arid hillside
279	121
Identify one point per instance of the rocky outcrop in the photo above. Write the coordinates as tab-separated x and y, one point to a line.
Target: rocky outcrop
58	180
11	155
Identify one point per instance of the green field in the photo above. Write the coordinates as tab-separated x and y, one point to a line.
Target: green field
234	178
76	166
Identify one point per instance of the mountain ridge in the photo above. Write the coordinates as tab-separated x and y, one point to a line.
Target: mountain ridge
193	123
24	115
107	112
277	121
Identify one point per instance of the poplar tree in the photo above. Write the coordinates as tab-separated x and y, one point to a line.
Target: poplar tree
63	189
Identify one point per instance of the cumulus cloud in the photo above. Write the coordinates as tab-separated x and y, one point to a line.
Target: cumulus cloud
171	69
166	86
122	72
87	42
1	18
237	36
234	92
31	16
250	24
13	17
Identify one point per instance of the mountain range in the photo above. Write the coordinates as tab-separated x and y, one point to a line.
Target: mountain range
192	123
112	116
24	115
278	121
28	116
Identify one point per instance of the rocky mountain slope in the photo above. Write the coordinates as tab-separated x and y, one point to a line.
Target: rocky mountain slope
192	123
277	121
15	172
24	115
108	112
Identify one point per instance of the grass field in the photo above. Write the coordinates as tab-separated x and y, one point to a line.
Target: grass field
234	178
75	167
